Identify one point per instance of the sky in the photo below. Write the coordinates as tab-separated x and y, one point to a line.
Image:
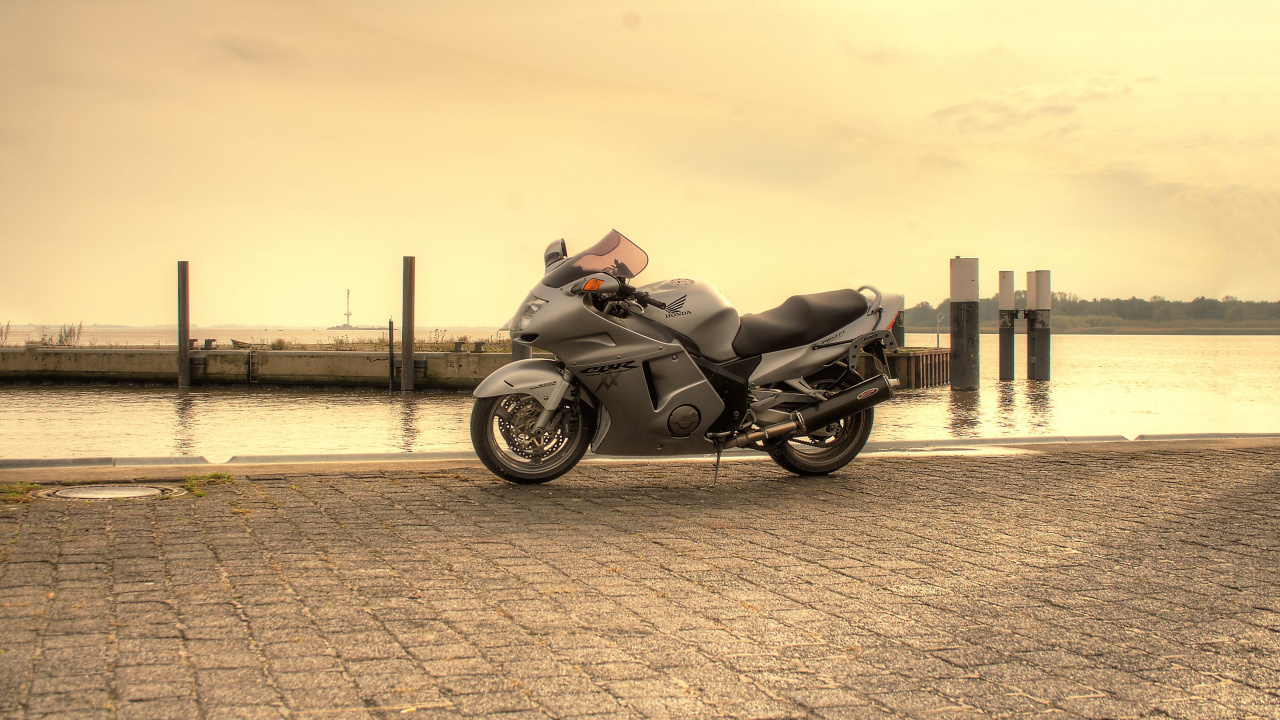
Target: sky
292	150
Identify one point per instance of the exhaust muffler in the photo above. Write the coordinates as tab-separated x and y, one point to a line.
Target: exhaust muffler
850	402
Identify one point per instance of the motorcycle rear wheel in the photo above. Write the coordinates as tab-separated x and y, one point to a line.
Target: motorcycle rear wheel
506	441
826	449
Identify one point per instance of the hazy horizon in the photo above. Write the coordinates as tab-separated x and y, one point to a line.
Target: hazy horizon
362	325
295	149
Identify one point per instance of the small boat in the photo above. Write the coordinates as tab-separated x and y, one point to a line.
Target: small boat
242	345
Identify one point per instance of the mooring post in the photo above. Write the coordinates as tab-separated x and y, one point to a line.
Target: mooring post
1030	314
391	354
1044	297
900	329
184	325
1008	314
964	324
406	329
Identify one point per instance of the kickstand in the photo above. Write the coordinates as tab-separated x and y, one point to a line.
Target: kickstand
715	478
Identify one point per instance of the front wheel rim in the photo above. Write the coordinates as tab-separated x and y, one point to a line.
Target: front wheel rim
520	447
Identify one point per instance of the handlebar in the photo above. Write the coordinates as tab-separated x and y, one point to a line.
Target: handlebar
615	288
644	299
628	292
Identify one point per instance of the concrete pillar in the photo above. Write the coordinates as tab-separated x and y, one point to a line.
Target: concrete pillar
184	325
964	324
1030	314
1008	313
406	329
1040	327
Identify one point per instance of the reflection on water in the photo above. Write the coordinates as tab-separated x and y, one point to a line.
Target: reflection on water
184	433
1039	395
408	424
1004	418
965	420
1103	385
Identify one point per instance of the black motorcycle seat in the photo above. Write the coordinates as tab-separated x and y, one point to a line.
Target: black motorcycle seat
800	319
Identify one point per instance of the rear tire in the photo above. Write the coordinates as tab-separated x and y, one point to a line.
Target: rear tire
826	449
505	440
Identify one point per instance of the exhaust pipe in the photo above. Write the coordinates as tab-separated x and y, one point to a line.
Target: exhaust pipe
850	402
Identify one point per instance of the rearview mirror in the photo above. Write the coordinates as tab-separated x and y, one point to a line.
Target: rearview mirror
554	253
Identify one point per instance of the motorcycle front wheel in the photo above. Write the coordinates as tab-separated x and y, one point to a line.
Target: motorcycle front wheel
507	441
825	449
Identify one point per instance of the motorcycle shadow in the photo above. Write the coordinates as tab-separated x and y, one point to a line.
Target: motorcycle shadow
738	483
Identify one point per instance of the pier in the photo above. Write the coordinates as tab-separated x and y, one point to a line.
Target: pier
459	370
431	370
921	368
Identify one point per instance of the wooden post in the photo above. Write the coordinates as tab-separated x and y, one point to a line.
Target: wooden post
1008	314
391	354
1043	299
406	327
184	325
964	324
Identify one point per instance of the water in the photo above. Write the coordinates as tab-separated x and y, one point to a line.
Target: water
1107	384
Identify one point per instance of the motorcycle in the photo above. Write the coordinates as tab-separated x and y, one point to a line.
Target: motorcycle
671	368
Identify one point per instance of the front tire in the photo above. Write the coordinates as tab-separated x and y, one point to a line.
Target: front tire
826	449
504	436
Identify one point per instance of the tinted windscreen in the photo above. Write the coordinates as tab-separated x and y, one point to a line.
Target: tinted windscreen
614	254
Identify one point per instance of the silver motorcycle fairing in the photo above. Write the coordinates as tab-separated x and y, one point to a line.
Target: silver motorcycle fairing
633	367
537	377
797	362
698	311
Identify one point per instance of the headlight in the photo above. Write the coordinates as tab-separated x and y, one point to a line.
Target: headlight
532	305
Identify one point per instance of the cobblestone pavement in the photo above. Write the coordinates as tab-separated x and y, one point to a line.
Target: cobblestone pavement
1070	584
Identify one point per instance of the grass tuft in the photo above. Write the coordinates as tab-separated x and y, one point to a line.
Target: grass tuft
194	483
19	492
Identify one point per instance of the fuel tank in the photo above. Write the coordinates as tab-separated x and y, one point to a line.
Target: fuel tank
698	311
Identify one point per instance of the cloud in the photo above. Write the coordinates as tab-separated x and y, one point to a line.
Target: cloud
257	51
1021	107
1211	239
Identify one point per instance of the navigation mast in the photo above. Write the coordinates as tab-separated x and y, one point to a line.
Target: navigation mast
348	313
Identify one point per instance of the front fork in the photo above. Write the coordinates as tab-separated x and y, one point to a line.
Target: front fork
552	405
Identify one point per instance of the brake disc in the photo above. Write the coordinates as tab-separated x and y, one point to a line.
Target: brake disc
519	429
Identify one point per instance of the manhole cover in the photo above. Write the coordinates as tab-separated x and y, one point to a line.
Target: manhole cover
110	492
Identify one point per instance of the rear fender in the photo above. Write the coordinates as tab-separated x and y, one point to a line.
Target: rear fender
537	377
891	306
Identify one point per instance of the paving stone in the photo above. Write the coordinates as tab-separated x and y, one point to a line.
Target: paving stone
1084	584
78	701
163	709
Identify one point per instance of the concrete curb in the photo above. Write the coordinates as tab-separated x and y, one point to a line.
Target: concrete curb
872	447
1207	436
970	442
347	457
25	463
172	460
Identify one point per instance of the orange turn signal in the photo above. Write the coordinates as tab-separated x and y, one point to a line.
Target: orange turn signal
592	285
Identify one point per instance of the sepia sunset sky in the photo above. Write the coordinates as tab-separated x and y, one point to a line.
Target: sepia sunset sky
291	150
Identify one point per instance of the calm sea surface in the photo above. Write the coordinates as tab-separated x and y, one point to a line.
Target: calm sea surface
1125	385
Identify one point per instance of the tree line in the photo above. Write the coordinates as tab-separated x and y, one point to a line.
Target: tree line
1107	312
